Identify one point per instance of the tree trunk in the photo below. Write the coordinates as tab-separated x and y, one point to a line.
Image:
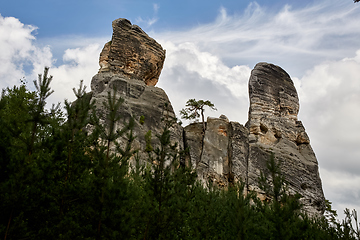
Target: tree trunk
203	120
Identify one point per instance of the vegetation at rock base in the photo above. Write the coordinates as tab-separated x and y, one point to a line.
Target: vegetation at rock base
66	175
194	109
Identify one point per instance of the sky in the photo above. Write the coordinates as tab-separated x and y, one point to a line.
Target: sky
211	47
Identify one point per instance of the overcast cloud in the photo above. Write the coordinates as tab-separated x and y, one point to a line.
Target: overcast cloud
318	45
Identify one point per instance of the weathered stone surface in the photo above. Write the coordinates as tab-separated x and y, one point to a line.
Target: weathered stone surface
193	139
132	53
214	162
273	103
139	100
221	154
239	151
274	128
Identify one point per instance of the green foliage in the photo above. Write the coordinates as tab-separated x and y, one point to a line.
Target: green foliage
193	109
349	217
329	213
148	147
283	212
273	183
142	120
67	175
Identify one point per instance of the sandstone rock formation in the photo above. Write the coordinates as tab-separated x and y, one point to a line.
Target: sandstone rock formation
273	127
231	152
131	64
225	152
132	53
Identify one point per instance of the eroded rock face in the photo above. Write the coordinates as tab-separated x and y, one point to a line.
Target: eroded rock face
274	128
139	100
131	64
219	154
214	162
132	53
193	139
230	152
274	104
238	152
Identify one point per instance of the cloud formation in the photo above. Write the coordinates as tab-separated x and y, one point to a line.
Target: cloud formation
330	94
191	73
149	21
79	64
18	51
307	36
22	58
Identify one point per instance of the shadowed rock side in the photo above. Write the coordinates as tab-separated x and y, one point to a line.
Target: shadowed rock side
132	53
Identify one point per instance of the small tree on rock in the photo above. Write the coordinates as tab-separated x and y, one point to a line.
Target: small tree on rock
193	107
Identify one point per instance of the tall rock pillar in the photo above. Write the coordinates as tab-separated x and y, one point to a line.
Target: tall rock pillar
131	64
274	128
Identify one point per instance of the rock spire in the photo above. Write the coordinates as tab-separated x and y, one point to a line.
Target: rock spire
274	128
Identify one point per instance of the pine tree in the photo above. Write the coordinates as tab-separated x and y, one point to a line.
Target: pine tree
168	184
27	127
283	211
192	109
110	168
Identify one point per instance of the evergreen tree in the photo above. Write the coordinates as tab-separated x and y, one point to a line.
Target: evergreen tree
27	127
110	168
168	185
65	175
283	211
192	109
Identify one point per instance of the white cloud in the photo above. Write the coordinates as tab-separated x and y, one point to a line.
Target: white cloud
343	190
330	110
330	94
156	7
208	77
149	21
296	39
208	66
79	64
18	50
